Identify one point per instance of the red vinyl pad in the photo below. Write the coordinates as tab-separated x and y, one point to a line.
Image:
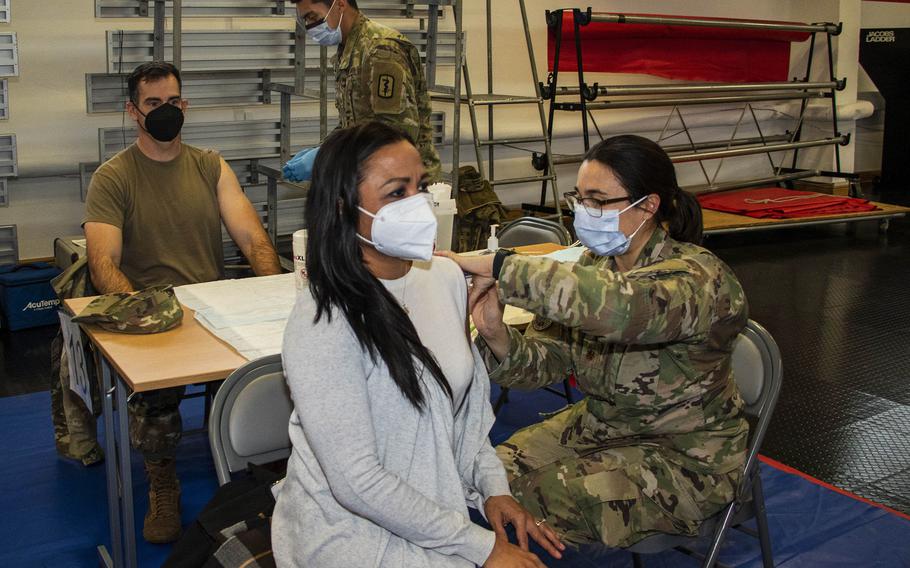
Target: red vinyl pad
677	52
777	203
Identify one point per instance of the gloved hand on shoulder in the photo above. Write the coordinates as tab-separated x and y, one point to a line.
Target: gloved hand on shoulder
300	167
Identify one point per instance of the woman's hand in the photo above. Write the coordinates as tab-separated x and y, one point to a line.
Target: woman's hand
486	312
478	265
502	510
507	555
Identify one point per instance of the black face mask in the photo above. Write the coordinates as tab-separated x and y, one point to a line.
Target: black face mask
164	123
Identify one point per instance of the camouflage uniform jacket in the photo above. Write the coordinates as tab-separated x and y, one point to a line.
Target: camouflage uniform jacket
379	76
651	348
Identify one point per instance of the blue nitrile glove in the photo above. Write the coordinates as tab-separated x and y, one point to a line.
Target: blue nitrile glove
300	167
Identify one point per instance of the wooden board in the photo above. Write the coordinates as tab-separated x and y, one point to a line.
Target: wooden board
542	248
719	221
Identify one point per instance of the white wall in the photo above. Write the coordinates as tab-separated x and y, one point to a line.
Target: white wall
59	45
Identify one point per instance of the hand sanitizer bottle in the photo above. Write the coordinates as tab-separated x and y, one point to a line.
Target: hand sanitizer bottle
493	242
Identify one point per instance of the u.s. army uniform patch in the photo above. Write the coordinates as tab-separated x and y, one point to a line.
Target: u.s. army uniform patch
386	87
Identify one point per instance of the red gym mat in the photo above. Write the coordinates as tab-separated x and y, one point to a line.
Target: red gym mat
777	203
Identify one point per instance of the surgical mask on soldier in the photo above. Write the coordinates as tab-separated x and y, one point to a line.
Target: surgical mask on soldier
322	34
164	123
404	229
602	234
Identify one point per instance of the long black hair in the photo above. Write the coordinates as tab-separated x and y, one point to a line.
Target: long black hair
643	167
338	277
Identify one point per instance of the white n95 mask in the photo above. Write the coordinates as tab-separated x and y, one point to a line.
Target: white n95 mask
602	234
404	229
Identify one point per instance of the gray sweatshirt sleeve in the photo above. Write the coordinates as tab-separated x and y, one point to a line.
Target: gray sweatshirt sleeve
486	476
489	475
336	419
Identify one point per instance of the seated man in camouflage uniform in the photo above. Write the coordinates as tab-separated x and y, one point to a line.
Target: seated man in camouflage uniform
378	76
647	320
153	217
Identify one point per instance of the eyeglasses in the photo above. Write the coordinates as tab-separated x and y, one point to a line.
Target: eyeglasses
309	24
311	20
592	205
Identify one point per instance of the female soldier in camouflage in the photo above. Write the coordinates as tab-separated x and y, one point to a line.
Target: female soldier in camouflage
646	319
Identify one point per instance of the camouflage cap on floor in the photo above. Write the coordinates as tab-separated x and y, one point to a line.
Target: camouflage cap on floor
150	310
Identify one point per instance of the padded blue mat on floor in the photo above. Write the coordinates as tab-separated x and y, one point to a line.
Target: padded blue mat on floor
54	512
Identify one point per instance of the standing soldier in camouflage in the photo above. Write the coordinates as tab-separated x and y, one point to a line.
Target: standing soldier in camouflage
153	217
646	319
378	76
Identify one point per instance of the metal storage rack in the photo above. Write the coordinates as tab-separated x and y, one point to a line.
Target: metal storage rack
436	47
583	98
490	101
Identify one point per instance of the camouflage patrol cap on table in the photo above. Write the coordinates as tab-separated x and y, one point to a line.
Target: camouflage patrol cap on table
150	310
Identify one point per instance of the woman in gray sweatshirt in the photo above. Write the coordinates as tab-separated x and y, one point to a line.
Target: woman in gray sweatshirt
392	413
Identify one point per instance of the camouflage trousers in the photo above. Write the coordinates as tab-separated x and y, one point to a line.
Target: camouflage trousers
614	496
155	425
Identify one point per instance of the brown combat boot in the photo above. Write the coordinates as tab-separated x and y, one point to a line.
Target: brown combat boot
162	521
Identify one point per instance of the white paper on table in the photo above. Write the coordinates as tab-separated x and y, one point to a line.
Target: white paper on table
253	340
248	314
231	303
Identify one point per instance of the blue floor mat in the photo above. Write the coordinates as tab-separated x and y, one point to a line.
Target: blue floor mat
55	511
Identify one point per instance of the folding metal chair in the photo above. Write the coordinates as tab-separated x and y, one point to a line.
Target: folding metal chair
533	231
758	371
249	419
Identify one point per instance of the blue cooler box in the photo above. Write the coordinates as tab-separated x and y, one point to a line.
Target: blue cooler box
26	297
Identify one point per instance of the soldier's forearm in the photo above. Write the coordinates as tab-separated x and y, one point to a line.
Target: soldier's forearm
263	258
107	277
497	343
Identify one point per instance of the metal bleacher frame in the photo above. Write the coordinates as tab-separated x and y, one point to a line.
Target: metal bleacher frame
9	67
9	54
106	92
9	165
4	99
248	68
245	8
9	158
429	41
233	50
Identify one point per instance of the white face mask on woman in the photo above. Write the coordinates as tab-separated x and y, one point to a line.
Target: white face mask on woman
602	234
404	229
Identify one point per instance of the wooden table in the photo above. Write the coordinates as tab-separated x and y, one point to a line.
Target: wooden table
130	363
193	354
